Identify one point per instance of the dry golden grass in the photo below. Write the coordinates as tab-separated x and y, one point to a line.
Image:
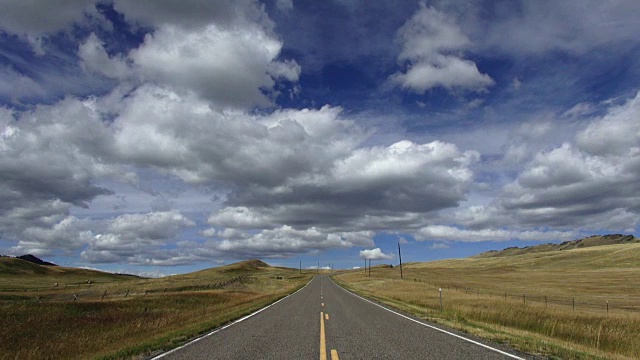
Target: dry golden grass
17	273
138	325
591	275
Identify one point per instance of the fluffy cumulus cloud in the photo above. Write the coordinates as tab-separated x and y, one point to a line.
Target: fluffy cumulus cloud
432	46
49	162
48	232
371	187
593	182
187	97
590	183
137	239
95	59
323	190
286	241
227	66
375	254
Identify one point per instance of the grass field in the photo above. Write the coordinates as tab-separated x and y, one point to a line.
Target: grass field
156	315
473	299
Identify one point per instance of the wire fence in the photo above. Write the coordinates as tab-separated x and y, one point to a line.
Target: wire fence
575	303
94	291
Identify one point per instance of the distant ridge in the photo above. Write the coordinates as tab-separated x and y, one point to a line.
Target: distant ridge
595	240
252	264
35	260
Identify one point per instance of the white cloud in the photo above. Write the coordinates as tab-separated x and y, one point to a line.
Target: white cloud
450	233
341	194
579	109
533	28
440	245
590	183
14	85
284	5
94	58
240	217
193	14
286	241
230	67
323	174
617	133
315	267
138	239
431	51
375	254
49	159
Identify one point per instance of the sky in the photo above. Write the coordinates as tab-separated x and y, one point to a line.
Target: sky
158	137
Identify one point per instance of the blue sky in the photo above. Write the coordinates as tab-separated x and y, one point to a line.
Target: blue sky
160	137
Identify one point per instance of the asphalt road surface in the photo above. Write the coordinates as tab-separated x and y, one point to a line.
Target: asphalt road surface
324	321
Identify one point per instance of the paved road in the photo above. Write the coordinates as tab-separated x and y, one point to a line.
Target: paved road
324	321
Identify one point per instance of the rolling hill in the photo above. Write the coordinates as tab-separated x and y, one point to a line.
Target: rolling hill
596	240
27	273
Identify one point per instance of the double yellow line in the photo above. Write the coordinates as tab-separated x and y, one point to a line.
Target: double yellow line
323	341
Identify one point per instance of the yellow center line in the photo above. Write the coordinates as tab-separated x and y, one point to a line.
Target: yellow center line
334	355
323	343
326	316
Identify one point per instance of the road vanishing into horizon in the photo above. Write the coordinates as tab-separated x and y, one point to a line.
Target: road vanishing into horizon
324	321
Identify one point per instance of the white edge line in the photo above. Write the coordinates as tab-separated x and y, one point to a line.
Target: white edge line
431	326
226	326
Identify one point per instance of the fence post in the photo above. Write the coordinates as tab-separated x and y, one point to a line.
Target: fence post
127	294
441	308
103	295
574	304
524	299
607	307
505	295
545	301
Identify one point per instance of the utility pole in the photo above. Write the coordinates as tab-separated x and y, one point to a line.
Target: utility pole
318	269
365	266
300	267
400	256
369	267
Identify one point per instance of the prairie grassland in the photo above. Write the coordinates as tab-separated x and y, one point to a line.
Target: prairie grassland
16	273
592	275
138	325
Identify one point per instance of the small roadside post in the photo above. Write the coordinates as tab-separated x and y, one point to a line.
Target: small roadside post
400	256
441	308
